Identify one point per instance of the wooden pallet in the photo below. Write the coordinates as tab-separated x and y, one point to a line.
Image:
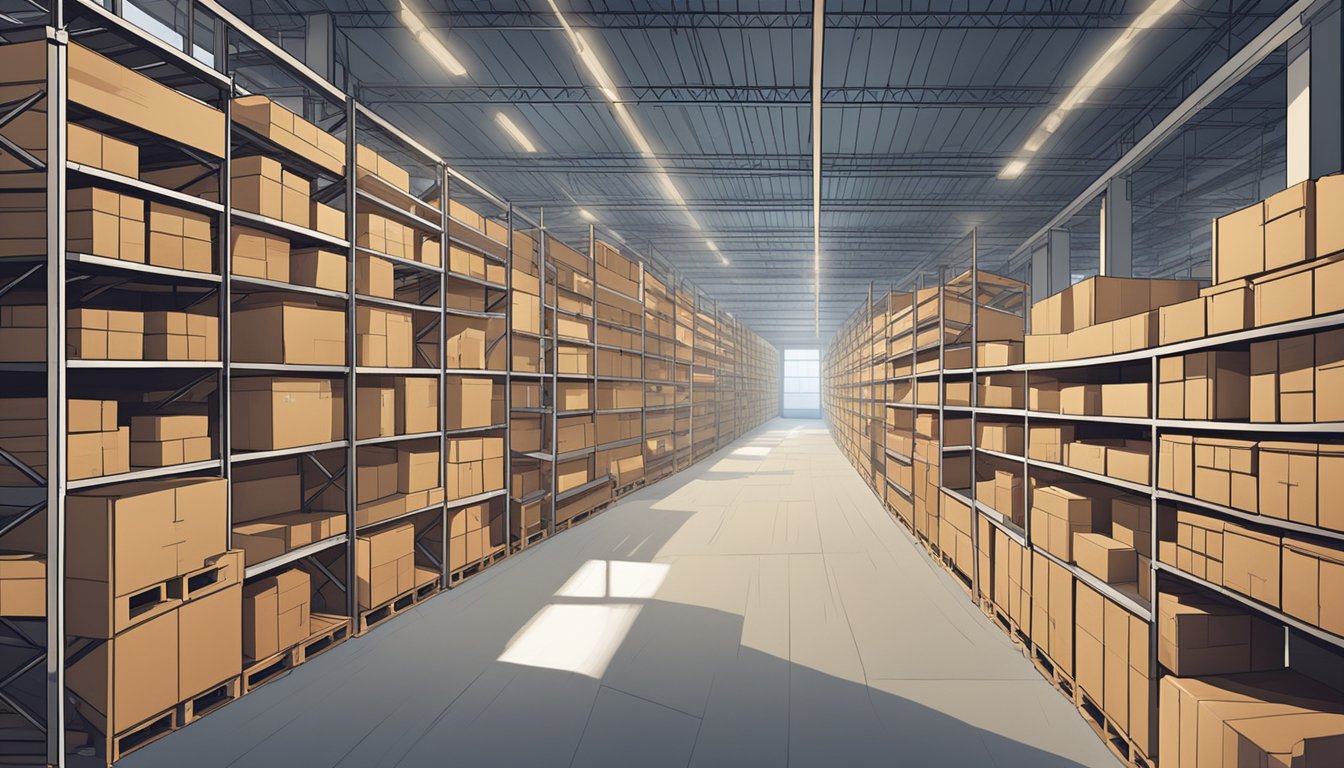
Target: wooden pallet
202	704
629	488
142	735
1112	735
456	577
427	585
328	632
1062	681
564	525
531	540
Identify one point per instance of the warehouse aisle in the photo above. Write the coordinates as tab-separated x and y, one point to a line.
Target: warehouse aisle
760	609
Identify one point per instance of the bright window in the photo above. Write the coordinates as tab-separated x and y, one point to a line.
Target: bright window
802	382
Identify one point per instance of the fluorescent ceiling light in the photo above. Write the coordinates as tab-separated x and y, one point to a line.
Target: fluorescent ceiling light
1088	83
431	43
515	132
587	55
585	215
1013	169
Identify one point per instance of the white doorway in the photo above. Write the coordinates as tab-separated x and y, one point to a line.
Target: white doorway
801	388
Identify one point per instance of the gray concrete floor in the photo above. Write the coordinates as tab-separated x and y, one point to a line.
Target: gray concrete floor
759	609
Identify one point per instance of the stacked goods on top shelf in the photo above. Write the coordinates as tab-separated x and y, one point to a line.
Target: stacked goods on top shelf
660	386
619	352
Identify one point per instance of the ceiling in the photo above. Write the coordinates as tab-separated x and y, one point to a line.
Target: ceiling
923	106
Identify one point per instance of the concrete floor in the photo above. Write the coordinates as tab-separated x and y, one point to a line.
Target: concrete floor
760	609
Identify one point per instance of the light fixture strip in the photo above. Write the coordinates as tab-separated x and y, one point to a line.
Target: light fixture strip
818	35
1084	88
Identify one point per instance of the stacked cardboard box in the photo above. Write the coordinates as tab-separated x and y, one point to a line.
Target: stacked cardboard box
384	565
179	239
95	446
1283	253
1220	470
1192	542
1259	718
1012	579
954	533
104	334
262	186
618	395
1052	602
573	396
269	515
1200	635
391	481
1102	316
369	162
475	265
615	271
283	328
264	256
1204	385
270	413
386	339
473	403
373	276
574	360
1001	489
290	132
1286	374
1313	575
1059	512
386	236
474	533
104	223
474	465
91	148
1111	657
181	336
161	441
276	613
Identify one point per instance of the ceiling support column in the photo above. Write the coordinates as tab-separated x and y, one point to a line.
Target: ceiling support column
1050	265
1315	96
1117	230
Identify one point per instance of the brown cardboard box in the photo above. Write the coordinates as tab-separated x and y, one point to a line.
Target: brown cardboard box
273	413
1329	374
1330	485
272	537
1288	473
1129	400
1225	471
1252	563
1176	463
1290	226
317	268
276	613
466	349
417	469
23	585
259	254
1130	523
327	220
209	641
1217	385
1183	321
376	474
1230	307
1313	579
135	535
417	405
1057	514
1256	719
1105	558
1080	399
257	186
88	147
296	200
164	453
384	563
1046	442
130	678
375	411
1129	460
373	276
288	330
1239	244
470	402
265	117
1198	635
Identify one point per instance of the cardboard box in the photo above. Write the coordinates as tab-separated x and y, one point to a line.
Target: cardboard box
470	403
1290	226
91	148
1217	385
1080	399
1129	400
288	330
1046	442
1182	322
265	117
1105	558
1225	471
131	678
209	641
1176	463
375	411
259	254
1057	514
417	405
1313	577
270	537
276	613
1252	563
317	268
1131	524
1229	307
273	413
466	349
384	564
1239	244
23	585
373	276
1199	635
1288	480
